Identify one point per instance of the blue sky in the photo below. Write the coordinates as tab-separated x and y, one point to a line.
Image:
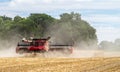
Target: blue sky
104	15
4	0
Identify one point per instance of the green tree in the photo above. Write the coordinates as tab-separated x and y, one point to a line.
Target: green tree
17	19
41	22
6	18
1	23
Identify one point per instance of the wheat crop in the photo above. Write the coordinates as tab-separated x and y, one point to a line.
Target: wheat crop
60	64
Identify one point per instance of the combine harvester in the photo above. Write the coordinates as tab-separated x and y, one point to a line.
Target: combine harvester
41	45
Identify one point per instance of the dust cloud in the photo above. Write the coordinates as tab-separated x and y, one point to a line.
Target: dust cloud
81	50
8	48
59	36
10	52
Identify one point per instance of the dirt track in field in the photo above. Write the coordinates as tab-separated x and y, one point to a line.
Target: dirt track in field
60	64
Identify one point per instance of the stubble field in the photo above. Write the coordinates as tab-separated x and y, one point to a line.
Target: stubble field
36	64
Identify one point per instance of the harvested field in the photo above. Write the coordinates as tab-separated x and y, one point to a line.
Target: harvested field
37	64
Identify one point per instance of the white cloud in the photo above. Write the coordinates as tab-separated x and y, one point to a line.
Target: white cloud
50	5
48	1
63	4
103	18
83	0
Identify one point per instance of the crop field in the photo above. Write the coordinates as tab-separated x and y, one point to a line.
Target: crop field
37	64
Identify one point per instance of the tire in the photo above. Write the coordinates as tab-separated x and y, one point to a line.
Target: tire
21	51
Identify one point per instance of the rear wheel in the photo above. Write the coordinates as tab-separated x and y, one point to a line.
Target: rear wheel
21	51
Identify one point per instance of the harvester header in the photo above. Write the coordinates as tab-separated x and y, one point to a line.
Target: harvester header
41	45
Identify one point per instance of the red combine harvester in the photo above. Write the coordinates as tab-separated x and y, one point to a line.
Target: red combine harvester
41	45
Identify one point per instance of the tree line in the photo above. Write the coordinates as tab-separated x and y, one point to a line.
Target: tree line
69	27
110	46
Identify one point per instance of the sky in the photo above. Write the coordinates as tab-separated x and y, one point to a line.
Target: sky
103	15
